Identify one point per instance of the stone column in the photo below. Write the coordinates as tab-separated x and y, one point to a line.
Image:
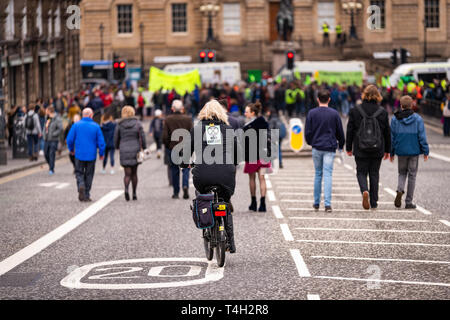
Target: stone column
4	53
19	6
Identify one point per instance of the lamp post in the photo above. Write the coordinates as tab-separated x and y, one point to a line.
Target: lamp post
101	28
141	30
351	8
210	10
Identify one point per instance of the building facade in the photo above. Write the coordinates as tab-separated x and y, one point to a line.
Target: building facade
245	30
39	54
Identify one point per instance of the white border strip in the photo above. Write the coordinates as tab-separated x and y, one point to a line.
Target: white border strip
388	281
445	222
423	210
440	157
286	232
53	236
373	230
380	259
271	195
377	243
300	263
358	219
277	212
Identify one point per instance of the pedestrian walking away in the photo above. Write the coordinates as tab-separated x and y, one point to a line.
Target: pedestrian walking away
108	127
369	140
446	116
324	132
177	120
83	140
75	119
33	132
409	140
52	131
129	138
156	130
254	162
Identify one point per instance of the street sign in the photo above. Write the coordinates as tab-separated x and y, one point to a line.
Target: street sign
296	134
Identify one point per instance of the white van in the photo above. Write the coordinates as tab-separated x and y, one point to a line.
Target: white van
310	67
210	72
426	71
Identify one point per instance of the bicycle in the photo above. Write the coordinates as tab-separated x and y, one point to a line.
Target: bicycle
216	236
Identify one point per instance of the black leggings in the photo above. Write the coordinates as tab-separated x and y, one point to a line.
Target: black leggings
130	175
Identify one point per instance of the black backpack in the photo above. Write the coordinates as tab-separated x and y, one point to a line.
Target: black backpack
369	133
29	122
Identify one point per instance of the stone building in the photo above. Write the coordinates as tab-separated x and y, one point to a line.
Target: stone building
245	30
39	54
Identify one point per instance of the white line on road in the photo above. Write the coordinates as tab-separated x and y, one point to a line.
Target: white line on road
423	210
440	157
388	281
313	297
349	167
307	179
445	222
286	232
333	194
391	192
277	212
62	185
340	201
311	184
380	259
271	195
310	188
353	210
300	263
51	237
374	230
268	184
356	219
377	243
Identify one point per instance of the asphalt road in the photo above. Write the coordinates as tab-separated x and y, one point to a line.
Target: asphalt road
54	247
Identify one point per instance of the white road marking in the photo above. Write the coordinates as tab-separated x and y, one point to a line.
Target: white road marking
380	259
356	219
374	230
48	184
62	185
333	194
300	263
377	243
390	191
388	281
313	297
440	157
310	188
271	195
445	222
307	179
277	212
423	210
353	210
311	183
286	232
349	167
340	201
51	237
268	184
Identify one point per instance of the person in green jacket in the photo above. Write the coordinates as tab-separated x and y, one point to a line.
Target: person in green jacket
338	35
326	36
300	101
291	98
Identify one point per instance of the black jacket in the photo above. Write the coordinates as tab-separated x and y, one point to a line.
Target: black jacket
354	122
129	137
257	124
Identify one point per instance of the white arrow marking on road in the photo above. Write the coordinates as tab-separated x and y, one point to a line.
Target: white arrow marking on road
53	236
286	232
300	263
277	212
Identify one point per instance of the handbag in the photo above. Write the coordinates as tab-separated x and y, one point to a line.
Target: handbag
446	110
140	155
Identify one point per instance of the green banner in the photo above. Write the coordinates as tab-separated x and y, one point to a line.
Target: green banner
182	83
331	77
254	76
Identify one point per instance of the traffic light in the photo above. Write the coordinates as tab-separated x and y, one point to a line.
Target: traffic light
394	57
290	56
119	69
211	56
202	56
403	55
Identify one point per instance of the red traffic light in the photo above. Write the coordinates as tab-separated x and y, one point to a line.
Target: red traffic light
122	64
210	55
116	65
202	54
290	55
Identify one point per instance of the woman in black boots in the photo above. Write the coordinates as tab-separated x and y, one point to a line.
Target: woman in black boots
129	137
254	164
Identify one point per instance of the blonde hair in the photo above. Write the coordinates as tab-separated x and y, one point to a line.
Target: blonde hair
128	112
213	110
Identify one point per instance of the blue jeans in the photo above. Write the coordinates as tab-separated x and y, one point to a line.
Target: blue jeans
175	170
50	148
323	164
108	152
33	144
345	107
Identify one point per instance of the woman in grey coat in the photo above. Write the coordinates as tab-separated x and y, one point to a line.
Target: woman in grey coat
129	138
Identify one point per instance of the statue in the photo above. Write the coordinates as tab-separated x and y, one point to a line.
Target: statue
285	19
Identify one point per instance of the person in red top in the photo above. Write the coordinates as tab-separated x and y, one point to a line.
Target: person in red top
141	104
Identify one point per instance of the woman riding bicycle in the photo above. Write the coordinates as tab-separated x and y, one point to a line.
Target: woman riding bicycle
214	144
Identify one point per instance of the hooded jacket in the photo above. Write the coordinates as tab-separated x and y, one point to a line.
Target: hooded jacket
408	134
129	137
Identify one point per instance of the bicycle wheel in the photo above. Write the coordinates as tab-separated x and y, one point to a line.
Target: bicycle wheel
209	250
221	245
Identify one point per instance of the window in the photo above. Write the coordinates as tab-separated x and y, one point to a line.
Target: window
125	18
179	17
380	4
231	18
325	13
432	13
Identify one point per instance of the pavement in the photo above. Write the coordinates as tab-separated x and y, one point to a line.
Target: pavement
55	247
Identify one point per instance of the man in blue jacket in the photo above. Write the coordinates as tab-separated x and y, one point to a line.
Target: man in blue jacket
323	131
83	140
409	140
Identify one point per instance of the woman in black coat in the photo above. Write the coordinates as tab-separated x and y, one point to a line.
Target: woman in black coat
129	138
369	163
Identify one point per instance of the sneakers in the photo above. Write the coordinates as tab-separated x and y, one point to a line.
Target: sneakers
316	207
103	171
365	202
328	209
410	206
175	196
50	173
398	199
112	171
